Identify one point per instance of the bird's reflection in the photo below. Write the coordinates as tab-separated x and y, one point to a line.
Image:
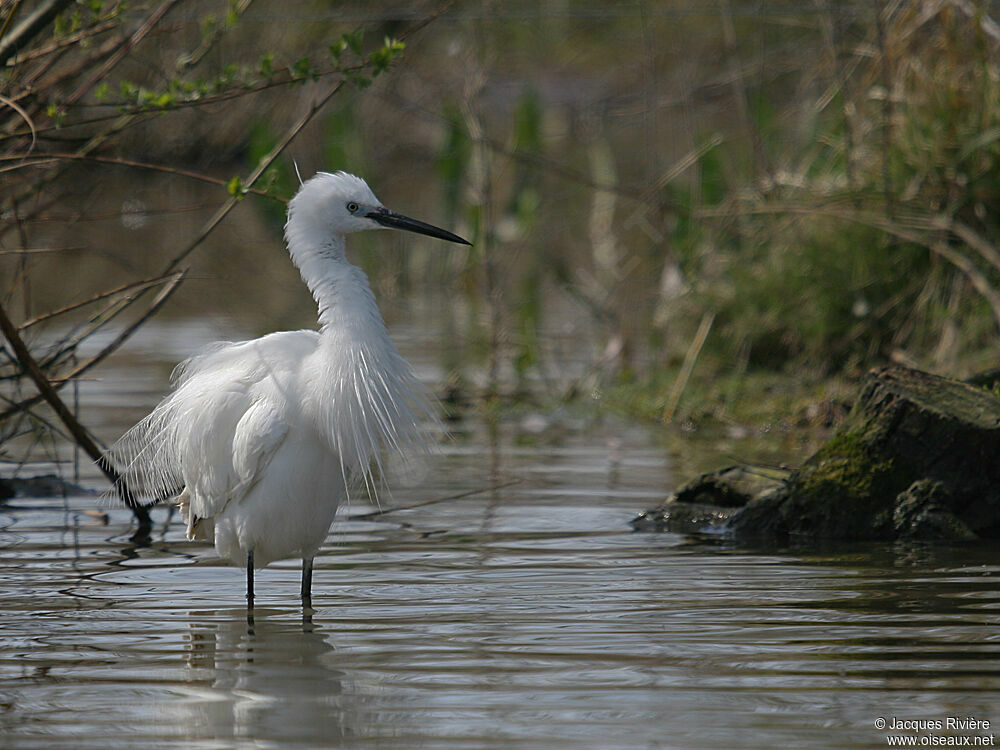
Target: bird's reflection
270	679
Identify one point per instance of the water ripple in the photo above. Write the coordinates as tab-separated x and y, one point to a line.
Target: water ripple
530	618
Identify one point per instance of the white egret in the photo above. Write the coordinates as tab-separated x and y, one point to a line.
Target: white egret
259	440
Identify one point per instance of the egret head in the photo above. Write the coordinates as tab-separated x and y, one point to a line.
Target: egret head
335	204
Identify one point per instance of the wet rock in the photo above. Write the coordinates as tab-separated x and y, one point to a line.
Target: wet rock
707	503
732	487
989	379
917	457
923	512
684	518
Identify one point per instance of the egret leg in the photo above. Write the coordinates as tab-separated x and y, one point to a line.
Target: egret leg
307	580
250	579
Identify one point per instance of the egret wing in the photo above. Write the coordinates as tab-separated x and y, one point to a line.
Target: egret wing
188	441
228	468
258	435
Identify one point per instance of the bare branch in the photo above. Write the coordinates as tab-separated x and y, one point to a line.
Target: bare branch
47	392
137	36
142	283
39	159
30	27
27	119
120	339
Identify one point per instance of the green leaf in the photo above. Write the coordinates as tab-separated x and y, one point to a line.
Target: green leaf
235	187
354	41
55	114
232	14
301	68
383	57
358	80
337	49
163	101
208	24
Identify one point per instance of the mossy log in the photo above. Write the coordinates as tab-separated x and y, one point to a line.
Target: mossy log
918	457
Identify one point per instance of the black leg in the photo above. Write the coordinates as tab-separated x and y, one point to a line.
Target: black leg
250	579
307	580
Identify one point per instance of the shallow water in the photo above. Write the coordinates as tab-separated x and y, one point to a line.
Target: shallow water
529	616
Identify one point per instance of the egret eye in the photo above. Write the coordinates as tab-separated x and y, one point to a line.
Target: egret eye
352	207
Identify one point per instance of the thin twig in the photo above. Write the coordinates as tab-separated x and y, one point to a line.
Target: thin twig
120	339
30	27
189	60
740	90
33	81
40	158
15	6
142	283
690	358
27	119
882	15
43	250
137	36
265	162
67	41
421	503
48	392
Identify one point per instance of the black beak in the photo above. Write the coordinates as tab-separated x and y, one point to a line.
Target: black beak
392	220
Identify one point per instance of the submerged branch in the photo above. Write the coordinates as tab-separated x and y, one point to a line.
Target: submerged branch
80	434
431	501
